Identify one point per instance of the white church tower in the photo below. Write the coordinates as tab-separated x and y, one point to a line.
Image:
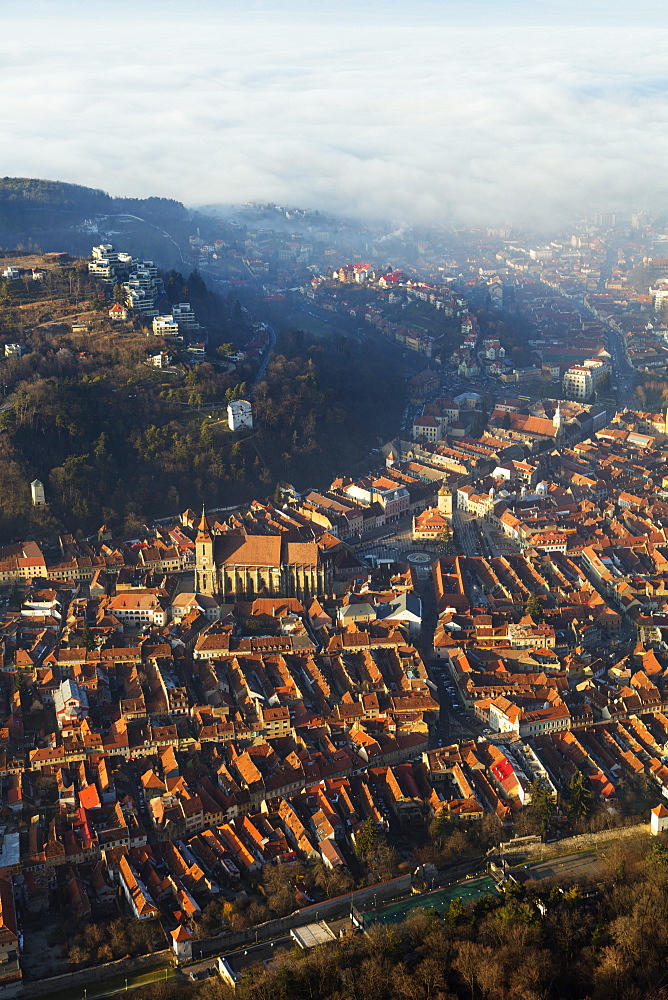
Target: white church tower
558	420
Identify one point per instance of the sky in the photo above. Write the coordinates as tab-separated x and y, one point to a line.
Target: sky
452	111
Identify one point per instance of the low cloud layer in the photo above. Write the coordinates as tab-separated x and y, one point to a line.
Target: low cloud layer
473	112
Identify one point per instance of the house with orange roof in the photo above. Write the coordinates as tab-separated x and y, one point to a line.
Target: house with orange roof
118	312
331	854
182	944
89	797
151	785
77	897
136	892
658	819
243	857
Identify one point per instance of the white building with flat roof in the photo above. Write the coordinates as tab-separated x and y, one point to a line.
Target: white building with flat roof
165	326
184	316
105	262
578	383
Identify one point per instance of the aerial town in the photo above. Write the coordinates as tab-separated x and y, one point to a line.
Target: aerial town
334	501
481	615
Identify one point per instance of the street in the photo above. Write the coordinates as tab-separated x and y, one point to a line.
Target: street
454	722
466	533
262	370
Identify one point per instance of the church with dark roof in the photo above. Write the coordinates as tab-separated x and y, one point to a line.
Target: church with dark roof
236	565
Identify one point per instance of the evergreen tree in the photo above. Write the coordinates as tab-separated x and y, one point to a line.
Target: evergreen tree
366	840
455	914
541	800
579	798
444	541
14	597
534	608
88	639
440	826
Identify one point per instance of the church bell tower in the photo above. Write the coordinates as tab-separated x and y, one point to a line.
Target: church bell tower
205	570
445	501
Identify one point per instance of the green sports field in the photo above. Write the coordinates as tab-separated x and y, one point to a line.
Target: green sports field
439	900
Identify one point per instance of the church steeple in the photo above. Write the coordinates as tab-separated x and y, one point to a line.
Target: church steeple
203	530
558	419
205	570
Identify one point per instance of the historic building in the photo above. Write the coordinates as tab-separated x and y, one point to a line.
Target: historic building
239	566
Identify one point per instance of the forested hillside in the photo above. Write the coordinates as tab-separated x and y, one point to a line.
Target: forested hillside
43	215
118	441
324	405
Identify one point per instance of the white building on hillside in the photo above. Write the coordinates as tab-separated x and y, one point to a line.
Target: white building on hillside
165	326
37	491
105	263
184	316
239	414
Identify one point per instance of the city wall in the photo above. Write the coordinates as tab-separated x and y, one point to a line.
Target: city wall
586	840
86	977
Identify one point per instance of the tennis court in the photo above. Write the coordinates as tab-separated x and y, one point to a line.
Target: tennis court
440	900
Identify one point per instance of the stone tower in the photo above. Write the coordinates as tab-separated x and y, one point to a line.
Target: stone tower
205	569
445	501
37	493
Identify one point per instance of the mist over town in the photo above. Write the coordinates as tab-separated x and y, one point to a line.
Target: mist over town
463	114
334	500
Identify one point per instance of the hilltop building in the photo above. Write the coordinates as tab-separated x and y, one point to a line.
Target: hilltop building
239	414
37	492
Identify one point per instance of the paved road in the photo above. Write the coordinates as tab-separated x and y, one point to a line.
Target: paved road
623	371
262	370
168	236
116	985
466	535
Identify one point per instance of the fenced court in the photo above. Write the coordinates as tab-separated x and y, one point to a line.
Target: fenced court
440	900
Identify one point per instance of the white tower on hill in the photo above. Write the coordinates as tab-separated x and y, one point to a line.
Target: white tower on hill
37	491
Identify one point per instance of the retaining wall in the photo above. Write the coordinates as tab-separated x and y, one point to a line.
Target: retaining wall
95	973
585	840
